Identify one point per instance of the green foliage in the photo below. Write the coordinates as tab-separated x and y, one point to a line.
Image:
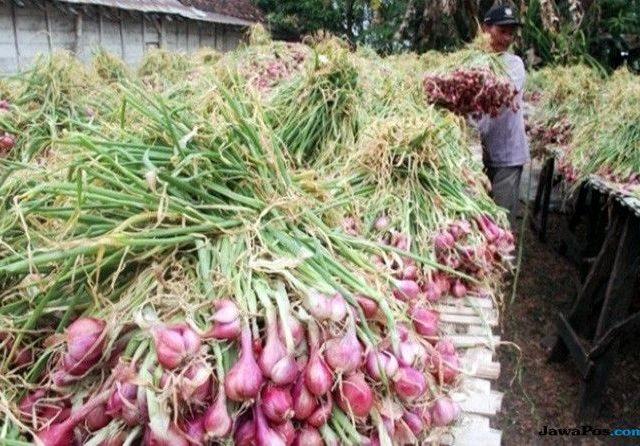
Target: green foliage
394	26
579	42
292	19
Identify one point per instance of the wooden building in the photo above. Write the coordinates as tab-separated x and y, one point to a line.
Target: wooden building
126	28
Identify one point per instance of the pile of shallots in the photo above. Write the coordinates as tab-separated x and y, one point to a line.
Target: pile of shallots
7	140
298	382
475	92
266	73
322	369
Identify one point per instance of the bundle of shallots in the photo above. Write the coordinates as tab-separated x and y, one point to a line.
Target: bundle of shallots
470	91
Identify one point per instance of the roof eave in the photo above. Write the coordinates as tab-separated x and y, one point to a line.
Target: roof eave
167	7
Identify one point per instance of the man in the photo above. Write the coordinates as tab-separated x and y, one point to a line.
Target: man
504	142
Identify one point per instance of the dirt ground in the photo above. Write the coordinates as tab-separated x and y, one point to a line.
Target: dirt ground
538	393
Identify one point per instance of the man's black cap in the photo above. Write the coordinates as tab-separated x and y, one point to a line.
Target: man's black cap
502	15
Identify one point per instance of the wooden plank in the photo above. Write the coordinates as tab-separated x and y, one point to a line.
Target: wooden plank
162	32
571	342
47	18
134	42
480	354
497	400
466	319
188	31
12	12
580	312
478	403
473	421
100	26
123	52
477	362
615	307
90	38
469	430
463	341
463	437
473	302
630	324
144	33
78	34
479	330
476	385
487	371
481	388
487	313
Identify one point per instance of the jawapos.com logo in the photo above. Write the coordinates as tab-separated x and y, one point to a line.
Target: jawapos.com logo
588	431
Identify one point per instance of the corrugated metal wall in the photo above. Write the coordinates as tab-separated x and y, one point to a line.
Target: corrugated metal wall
43	27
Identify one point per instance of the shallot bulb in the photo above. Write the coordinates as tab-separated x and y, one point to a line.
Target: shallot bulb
338	308
226	311
406	290
410	352
369	306
459	290
442	282
174	344
410	272
304	403
425	321
296	328
29	403
355	396
195	386
382	223
97	418
245	434
244	379
7	142
317	376
432	291
265	435
444	241
85	341
217	422
277	404
400	241
287	431
227	323
169	437
61	434
193	429
409	383
445	362
444	412
308	436
344	355
414	421
274	361
381	361
274	349
322	414
318	305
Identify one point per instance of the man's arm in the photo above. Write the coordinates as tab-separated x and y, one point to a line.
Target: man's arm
479	123
517	73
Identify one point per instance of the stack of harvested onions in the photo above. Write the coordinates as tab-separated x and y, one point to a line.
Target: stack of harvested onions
262	270
476	92
568	113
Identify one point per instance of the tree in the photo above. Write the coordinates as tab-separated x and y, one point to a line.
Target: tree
555	30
